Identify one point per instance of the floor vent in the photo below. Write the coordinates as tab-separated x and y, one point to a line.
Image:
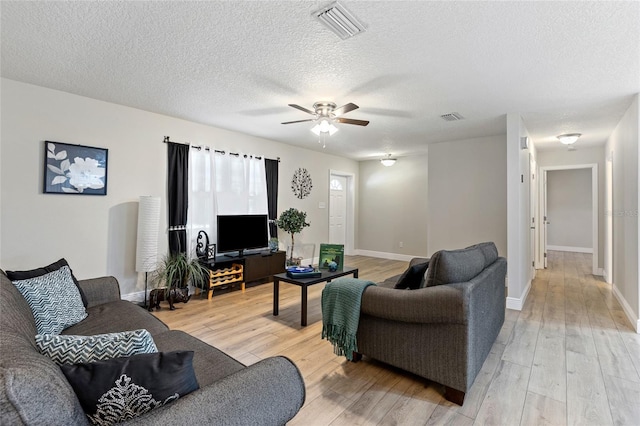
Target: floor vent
452	116
339	20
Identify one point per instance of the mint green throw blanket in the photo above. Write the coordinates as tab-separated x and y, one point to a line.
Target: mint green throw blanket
341	312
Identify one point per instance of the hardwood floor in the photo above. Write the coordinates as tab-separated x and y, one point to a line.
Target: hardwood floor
569	357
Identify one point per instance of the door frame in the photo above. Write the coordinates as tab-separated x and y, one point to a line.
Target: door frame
349	245
594	209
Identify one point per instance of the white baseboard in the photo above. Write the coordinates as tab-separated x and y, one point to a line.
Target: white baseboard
600	273
516	303
138	296
633	319
383	255
571	249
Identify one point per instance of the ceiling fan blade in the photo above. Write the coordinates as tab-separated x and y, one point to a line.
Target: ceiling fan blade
302	109
345	109
298	121
351	121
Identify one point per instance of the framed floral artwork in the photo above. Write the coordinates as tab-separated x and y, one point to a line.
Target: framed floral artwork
74	169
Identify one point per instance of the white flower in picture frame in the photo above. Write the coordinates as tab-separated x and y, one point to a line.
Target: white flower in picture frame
86	173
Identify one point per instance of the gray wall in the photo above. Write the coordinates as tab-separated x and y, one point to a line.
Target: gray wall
468	193
569	209
97	235
594	155
393	207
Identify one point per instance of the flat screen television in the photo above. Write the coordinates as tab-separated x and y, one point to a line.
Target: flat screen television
237	233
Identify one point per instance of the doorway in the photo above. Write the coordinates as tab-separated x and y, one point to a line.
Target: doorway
341	210
545	217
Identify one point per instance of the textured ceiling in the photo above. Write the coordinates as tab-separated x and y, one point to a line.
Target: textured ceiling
565	66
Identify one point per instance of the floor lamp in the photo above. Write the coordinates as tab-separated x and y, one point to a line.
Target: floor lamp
147	243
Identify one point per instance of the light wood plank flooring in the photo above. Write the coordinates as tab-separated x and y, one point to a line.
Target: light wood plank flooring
569	357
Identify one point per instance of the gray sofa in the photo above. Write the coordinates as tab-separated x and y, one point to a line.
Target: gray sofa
444	330
34	391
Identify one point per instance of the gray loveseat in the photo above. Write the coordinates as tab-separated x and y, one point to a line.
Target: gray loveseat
34	391
444	330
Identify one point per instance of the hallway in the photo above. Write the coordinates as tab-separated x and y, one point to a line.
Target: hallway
582	353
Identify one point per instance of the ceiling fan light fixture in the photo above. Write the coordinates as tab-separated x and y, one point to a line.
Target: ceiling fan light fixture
324	126
388	161
339	20
569	138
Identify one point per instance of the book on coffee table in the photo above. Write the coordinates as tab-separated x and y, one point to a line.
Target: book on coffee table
331	253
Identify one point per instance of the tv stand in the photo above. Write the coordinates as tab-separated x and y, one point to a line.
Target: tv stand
256	266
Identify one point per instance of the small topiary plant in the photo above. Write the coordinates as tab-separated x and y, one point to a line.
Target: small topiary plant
292	221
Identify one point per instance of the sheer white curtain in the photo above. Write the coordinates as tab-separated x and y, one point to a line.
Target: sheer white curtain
222	184
201	213
240	184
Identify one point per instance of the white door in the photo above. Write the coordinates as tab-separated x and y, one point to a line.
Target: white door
533	205
337	209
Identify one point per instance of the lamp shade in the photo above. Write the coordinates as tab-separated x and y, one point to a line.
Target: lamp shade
148	224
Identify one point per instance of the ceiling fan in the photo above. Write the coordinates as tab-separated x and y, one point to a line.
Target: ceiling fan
325	114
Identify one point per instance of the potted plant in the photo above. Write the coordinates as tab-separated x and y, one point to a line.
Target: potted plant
176	269
292	221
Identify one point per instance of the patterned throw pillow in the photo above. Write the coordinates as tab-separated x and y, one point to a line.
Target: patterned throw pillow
32	273
76	349
54	300
119	389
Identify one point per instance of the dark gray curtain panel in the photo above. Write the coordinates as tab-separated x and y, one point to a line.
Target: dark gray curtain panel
271	170
177	188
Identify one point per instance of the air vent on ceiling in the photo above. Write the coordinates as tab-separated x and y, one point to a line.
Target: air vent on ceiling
339	20
452	116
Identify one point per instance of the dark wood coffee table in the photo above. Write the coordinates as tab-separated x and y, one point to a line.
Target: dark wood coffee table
304	283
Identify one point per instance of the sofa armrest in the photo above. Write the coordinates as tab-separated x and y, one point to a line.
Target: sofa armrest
100	290
269	392
441	304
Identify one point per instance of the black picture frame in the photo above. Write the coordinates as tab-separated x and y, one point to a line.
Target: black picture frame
74	169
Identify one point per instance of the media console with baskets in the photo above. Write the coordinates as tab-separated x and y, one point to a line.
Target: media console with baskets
225	270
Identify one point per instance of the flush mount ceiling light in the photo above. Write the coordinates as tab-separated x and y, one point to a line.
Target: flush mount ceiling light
569	138
339	20
388	161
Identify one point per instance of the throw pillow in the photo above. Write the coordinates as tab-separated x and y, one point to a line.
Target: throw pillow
119	389
454	266
76	349
23	275
54	300
412	278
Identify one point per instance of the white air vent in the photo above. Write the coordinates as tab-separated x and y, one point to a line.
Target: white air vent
339	20
452	116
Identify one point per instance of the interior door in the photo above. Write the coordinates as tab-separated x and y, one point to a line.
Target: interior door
337	209
533	205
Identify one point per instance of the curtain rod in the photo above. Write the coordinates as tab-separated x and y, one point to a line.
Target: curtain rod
206	148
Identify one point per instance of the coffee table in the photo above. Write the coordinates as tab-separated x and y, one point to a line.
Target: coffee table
304	283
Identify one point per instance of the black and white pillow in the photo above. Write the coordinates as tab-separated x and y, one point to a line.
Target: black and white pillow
54	300
32	273
64	349
119	389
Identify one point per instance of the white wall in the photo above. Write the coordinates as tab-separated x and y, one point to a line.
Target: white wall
622	148
468	193
393	208
569	210
519	255
583	156
97	234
